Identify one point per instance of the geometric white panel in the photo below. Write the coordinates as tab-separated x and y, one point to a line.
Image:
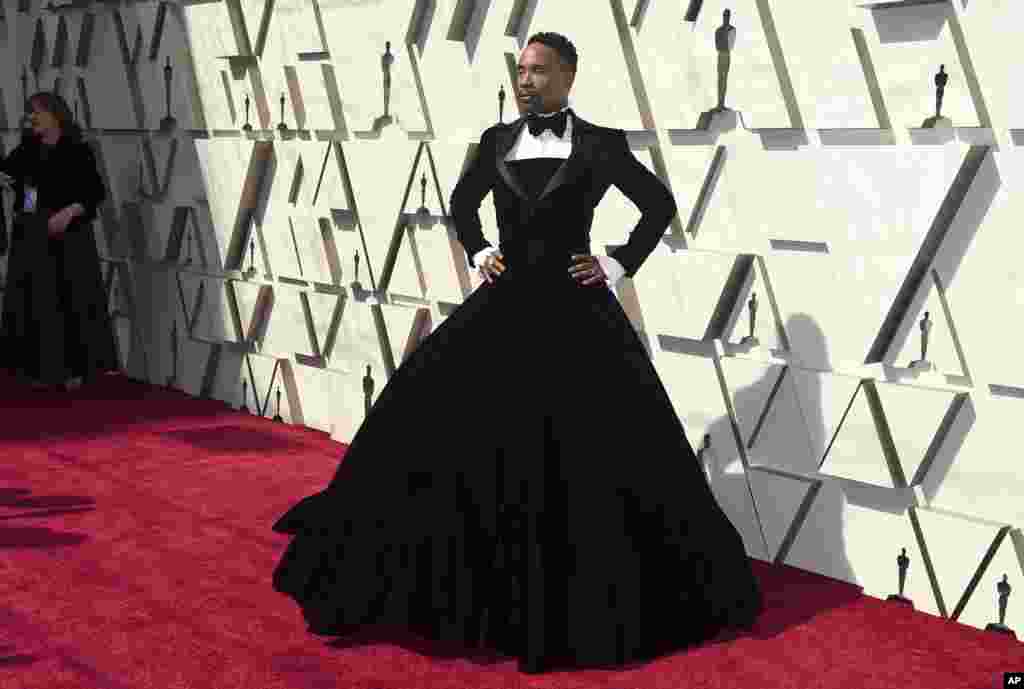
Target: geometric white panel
425	262
173	44
871	540
472	66
996	58
110	100
275	222
192	358
984	477
227	382
274	56
856	451
311	248
214	321
991	275
401	322
957	548
982	607
357	343
211	39
322	310
679	96
379	197
678	292
914	415
347	401
305	399
317	83
357	58
820	544
224	164
778	501
832	93
941	348
287	328
782	439
863	228
907	46
750	385
192	290
764	323
250	308
264	376
823	400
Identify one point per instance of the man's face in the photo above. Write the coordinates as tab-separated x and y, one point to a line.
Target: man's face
542	72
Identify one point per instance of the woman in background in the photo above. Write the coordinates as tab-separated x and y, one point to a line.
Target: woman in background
55	328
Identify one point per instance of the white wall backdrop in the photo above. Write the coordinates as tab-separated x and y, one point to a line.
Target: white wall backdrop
823	193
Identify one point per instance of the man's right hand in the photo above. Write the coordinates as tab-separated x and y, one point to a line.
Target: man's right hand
492	267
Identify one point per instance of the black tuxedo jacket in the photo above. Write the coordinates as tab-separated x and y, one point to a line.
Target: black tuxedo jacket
564	211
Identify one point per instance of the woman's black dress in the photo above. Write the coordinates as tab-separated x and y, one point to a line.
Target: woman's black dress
55	315
523	483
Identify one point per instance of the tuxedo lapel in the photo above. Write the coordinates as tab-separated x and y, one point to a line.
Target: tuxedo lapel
506	139
567	171
573	165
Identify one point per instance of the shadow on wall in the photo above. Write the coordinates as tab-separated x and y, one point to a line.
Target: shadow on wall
777	442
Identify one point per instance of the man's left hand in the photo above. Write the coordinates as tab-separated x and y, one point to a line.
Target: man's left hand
586	269
60	220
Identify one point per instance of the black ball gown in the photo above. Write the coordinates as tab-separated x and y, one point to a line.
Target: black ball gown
497	496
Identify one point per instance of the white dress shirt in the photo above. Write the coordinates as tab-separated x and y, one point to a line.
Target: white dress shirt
547	145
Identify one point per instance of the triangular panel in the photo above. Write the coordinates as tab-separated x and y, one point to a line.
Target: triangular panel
824	399
381	175
679	292
358	57
215	321
942	349
856	452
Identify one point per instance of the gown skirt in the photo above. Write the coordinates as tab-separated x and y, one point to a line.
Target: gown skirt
55	323
523	484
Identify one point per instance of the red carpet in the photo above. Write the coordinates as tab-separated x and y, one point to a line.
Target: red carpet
136	552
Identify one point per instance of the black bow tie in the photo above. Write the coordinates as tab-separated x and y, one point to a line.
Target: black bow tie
556	123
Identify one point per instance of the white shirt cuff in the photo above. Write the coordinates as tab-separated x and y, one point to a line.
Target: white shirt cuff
612	268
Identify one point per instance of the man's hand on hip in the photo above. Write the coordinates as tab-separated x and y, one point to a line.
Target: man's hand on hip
492	267
587	270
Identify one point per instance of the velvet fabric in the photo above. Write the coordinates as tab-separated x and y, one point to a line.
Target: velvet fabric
508	505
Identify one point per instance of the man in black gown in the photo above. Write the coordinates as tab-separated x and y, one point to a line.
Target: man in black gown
551	524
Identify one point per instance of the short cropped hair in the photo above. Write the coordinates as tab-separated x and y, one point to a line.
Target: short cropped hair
560	44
